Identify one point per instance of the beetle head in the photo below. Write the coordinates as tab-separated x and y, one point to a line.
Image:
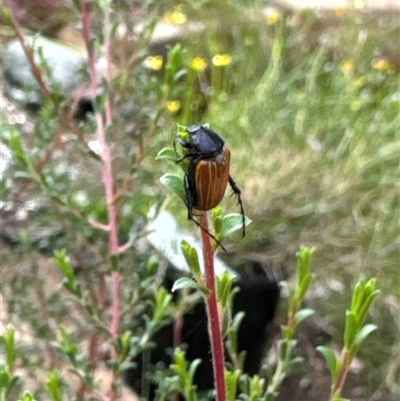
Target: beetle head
205	141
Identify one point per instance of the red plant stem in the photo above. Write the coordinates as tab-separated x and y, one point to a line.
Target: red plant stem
108	179
29	56
217	346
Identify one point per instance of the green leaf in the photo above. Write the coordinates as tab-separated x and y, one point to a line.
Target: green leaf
28	397
331	360
217	218
162	303
184	282
63	262
231	379
230	223
8	339
224	285
167	153
16	145
256	388
304	257
303	314
193	367
174	182
351	329
54	385
234	330
364	333
192	259
124	346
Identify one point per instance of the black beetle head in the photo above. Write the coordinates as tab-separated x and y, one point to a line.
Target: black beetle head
205	141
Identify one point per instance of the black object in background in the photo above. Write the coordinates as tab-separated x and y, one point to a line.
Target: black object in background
258	298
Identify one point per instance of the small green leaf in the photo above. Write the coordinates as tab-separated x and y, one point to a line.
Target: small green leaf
234	330
167	153
230	223
8	339
17	146
174	182
63	262
124	342
364	333
256	387
351	329
28	397
231	379
217	218
331	360
193	367
192	259
224	285
54	385
184	282
303	314
304	257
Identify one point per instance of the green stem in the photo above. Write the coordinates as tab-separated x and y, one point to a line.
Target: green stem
341	378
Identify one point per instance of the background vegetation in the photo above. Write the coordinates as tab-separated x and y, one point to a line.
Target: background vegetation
309	105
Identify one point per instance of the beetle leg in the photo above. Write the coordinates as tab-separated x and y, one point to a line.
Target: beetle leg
189	204
186	145
207	232
188	197
236	190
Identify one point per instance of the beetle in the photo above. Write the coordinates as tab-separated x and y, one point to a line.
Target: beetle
207	175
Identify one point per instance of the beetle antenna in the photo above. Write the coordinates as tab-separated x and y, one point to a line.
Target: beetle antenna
236	190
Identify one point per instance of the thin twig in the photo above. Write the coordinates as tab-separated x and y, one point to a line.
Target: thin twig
108	178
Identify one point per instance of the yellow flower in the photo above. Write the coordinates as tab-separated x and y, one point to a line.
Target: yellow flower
199	64
222	60
272	16
173	105
384	65
154	62
347	66
176	17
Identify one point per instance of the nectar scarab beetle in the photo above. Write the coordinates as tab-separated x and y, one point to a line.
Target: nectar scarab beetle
207	174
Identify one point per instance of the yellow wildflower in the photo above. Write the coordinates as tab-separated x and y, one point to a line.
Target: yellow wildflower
199	64
154	62
177	17
173	105
272	16
347	66
222	60
384	65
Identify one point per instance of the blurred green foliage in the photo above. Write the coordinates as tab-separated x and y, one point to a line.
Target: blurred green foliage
309	105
